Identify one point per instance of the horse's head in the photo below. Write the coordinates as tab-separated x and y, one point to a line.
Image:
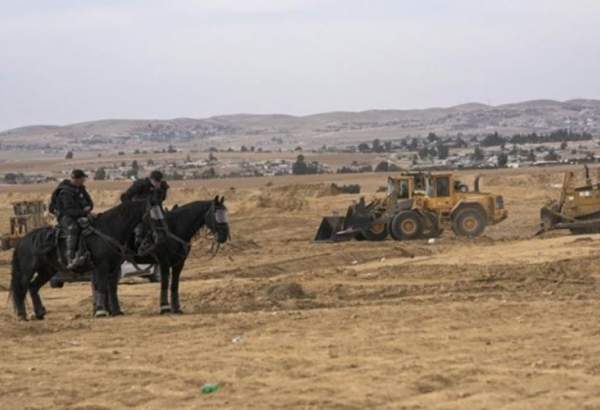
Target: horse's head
217	220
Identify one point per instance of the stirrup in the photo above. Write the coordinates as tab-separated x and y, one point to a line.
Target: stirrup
145	249
77	262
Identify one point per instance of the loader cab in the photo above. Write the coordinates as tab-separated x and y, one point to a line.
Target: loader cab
439	186
401	188
440	193
442	185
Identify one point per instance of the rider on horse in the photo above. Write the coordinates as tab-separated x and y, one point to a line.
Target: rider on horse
70	202
141	190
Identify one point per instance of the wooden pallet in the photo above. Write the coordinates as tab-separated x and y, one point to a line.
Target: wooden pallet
28	215
9	242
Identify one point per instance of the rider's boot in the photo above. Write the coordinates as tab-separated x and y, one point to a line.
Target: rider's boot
138	236
71	248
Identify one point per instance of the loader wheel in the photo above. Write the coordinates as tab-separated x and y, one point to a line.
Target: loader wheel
406	226
376	232
469	222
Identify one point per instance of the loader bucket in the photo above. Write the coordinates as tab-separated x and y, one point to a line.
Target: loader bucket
330	226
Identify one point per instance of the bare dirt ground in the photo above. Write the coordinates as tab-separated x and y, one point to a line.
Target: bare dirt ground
505	321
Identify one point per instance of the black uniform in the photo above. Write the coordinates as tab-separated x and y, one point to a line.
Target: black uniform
70	203
141	190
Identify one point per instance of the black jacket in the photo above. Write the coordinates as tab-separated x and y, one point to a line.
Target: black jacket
69	200
143	189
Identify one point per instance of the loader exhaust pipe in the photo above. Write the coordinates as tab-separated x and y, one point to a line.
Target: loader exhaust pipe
476	183
588	180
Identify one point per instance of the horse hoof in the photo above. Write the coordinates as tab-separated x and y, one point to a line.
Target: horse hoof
165	309
36	316
22	318
178	311
39	315
101	313
118	313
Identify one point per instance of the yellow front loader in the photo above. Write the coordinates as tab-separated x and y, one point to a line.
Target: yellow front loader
418	205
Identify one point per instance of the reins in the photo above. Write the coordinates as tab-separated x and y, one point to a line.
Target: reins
123	250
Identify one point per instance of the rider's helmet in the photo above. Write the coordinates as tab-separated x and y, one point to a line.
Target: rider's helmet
156	175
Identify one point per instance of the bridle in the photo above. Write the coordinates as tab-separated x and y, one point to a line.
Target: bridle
213	218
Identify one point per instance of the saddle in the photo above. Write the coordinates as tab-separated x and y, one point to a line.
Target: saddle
82	253
151	237
154	235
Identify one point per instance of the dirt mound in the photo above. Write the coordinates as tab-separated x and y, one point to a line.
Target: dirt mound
480	240
528	180
583	239
289	202
296	197
305	190
317	190
284	291
250	296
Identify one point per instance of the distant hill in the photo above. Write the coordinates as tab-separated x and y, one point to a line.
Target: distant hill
332	128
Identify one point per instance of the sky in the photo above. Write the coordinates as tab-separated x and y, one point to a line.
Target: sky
66	61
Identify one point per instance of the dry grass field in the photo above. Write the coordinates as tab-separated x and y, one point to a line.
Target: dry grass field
507	321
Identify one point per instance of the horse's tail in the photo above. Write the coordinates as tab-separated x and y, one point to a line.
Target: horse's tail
18	290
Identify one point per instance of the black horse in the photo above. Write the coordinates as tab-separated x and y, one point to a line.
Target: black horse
38	254
183	223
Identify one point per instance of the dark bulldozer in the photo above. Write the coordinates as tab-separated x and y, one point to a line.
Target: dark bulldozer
577	209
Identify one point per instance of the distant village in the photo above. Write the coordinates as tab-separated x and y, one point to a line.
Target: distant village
432	152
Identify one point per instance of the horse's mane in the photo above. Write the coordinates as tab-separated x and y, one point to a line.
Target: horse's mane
188	206
123	210
193	217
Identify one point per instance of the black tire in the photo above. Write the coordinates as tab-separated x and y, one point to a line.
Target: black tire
376	232
406	226
469	222
57	284
431	227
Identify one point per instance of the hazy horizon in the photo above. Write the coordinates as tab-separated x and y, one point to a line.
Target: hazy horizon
71	61
280	113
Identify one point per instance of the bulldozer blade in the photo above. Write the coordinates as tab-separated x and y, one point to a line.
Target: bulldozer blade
331	230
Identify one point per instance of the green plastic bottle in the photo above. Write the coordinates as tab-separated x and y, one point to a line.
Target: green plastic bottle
209	388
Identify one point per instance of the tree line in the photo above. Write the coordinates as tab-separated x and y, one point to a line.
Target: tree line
561	135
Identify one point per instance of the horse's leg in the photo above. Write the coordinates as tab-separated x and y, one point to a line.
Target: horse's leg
175	274
93	285
164	288
113	298
100	296
23	270
43	276
18	294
